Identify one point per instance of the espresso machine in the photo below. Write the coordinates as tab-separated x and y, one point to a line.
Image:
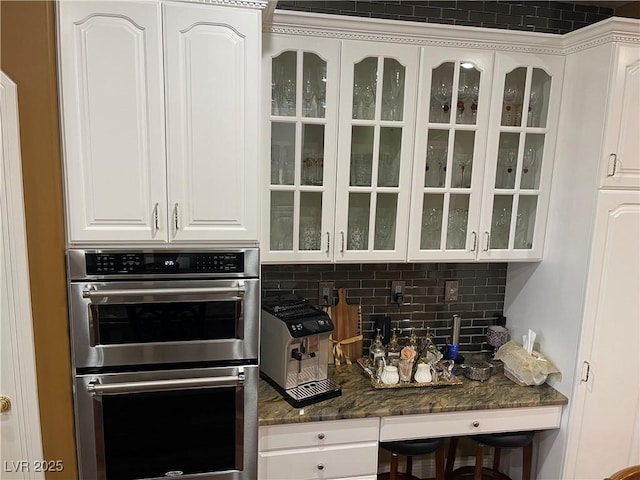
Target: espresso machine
294	349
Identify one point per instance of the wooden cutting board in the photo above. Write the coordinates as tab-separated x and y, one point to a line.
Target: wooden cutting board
347	322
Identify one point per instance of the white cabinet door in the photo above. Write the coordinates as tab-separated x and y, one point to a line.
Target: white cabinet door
212	60
601	444
621	166
300	106
525	104
448	164
113	115
378	91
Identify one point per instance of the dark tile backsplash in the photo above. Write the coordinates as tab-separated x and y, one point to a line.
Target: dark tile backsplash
532	16
481	294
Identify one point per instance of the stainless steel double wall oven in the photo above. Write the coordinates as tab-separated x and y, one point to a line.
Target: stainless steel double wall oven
165	358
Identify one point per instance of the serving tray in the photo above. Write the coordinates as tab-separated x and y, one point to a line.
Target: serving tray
367	367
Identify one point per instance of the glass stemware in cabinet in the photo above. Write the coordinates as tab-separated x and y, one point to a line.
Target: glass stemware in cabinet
464	93
475	90
435	167
393	90
457	229
506	172
512	114
441	92
309	100
463	160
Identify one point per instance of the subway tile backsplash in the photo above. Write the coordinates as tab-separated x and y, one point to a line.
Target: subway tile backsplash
481	288
527	15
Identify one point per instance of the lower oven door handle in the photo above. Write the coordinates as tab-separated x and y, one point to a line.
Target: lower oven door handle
97	388
89	293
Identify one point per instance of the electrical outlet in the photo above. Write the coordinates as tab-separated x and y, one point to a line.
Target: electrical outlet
325	294
451	291
397	292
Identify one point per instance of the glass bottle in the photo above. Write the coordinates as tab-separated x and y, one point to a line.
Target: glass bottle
376	354
393	349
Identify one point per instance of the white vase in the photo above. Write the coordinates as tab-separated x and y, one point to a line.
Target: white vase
390	375
423	373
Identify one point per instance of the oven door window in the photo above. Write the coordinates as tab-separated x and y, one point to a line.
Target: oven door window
165	321
164	433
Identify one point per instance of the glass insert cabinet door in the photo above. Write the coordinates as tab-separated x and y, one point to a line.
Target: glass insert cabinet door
375	144
451	132
522	142
302	102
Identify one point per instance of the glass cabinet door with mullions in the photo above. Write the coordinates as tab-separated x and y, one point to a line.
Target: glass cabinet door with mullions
451	132
301	130
375	145
521	149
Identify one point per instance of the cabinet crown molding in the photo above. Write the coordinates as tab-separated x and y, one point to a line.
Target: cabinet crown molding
261	4
429	34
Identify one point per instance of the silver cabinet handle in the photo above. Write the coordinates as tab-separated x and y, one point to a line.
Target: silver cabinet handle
328	242
615	163
97	388
156	220
175	217
321	466
487	237
342	242
475	241
321	436
476	424
92	293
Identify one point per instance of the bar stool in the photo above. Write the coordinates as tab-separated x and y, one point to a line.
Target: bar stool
498	441
410	449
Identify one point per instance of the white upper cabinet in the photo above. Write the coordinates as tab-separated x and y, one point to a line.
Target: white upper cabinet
126	180
448	168
621	153
113	121
525	103
300	108
378	88
340	121
212	69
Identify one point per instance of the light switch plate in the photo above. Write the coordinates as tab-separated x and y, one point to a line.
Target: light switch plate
451	291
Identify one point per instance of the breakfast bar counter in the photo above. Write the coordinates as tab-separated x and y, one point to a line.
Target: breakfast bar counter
360	400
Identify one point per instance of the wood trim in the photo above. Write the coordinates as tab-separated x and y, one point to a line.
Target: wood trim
28	56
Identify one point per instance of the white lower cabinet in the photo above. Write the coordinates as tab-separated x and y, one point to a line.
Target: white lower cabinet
343	449
471	422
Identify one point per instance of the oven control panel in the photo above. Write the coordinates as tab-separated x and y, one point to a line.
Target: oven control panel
118	263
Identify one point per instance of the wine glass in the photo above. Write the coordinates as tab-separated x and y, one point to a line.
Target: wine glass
309	105
507	160
441	92
475	90
289	97
463	160
367	97
395	94
511	94
431	224
435	157
534	97
464	92
496	337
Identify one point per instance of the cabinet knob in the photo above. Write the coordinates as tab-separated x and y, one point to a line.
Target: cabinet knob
5	404
321	466
476	424
321	436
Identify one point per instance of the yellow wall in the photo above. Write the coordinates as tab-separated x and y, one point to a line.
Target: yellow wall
28	57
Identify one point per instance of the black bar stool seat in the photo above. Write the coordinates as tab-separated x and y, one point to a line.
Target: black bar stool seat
410	449
498	441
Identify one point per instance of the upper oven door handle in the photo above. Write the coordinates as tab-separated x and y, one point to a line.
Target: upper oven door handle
93	293
97	388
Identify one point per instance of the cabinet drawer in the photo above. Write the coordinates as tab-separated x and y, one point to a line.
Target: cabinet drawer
470	422
334	462
313	434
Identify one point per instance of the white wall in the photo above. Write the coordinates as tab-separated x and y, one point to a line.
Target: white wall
548	296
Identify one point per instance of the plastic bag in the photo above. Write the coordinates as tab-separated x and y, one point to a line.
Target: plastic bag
522	368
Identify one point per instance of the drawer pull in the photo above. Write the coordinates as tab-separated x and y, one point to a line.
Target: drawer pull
321	466
321	436
476	424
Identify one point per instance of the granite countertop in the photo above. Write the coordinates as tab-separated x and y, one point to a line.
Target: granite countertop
359	399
